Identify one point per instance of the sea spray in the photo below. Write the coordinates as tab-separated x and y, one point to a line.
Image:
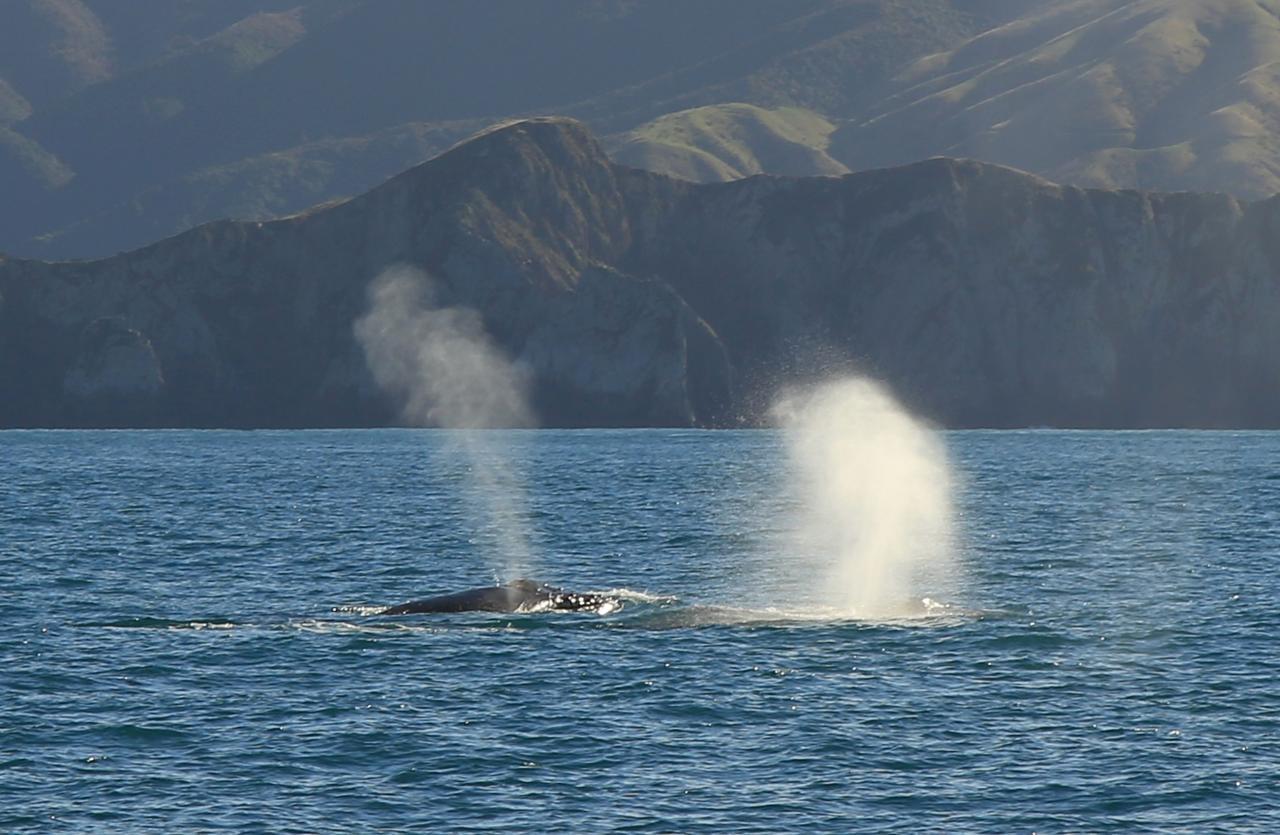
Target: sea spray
445	371
874	528
439	361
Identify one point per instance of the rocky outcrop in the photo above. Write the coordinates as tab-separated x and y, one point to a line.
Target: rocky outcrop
250	324
989	297
982	295
114	378
626	351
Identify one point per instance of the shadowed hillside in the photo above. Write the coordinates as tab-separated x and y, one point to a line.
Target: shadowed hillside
982	295
169	114
124	122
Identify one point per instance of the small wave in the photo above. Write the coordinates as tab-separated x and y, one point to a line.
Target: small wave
159	623
346	627
142	733
923	613
684	617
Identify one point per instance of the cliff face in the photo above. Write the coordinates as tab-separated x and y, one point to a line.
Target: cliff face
1169	94
250	324
982	295
989	297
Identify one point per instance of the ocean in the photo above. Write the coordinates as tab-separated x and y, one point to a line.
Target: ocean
190	642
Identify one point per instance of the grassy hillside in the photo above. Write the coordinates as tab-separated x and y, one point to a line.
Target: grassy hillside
50	48
259	187
829	57
729	141
13	105
24	164
131	120
199	93
1168	94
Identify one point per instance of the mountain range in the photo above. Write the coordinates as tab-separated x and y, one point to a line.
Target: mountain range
121	123
984	296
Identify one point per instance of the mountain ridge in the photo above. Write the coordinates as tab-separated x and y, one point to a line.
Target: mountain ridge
216	108
120	124
982	295
1108	93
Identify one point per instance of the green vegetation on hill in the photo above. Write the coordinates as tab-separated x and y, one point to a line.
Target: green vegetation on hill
50	48
24	164
130	120
1169	94
201	88
13	107
830	57
729	141
261	187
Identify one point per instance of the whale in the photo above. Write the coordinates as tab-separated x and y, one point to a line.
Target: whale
516	596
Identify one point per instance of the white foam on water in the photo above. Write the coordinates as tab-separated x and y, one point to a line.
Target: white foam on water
633	596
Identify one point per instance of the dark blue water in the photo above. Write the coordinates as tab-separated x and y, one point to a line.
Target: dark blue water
185	640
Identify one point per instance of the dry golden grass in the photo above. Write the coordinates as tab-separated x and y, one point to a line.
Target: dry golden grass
1164	94
730	141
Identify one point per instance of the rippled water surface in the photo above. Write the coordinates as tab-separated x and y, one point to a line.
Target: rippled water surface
187	642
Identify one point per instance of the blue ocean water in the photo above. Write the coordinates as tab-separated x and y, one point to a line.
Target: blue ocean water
186	639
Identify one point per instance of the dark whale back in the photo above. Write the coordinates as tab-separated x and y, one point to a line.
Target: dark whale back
514	596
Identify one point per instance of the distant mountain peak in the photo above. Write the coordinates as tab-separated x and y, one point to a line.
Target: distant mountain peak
535	127
506	153
550	137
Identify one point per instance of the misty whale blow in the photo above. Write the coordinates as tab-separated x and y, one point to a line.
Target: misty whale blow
515	596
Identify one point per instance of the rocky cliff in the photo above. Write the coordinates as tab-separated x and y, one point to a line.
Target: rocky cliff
250	324
988	297
984	296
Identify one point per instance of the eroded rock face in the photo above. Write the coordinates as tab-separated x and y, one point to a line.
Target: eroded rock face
982	295
115	378
625	351
251	323
988	297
